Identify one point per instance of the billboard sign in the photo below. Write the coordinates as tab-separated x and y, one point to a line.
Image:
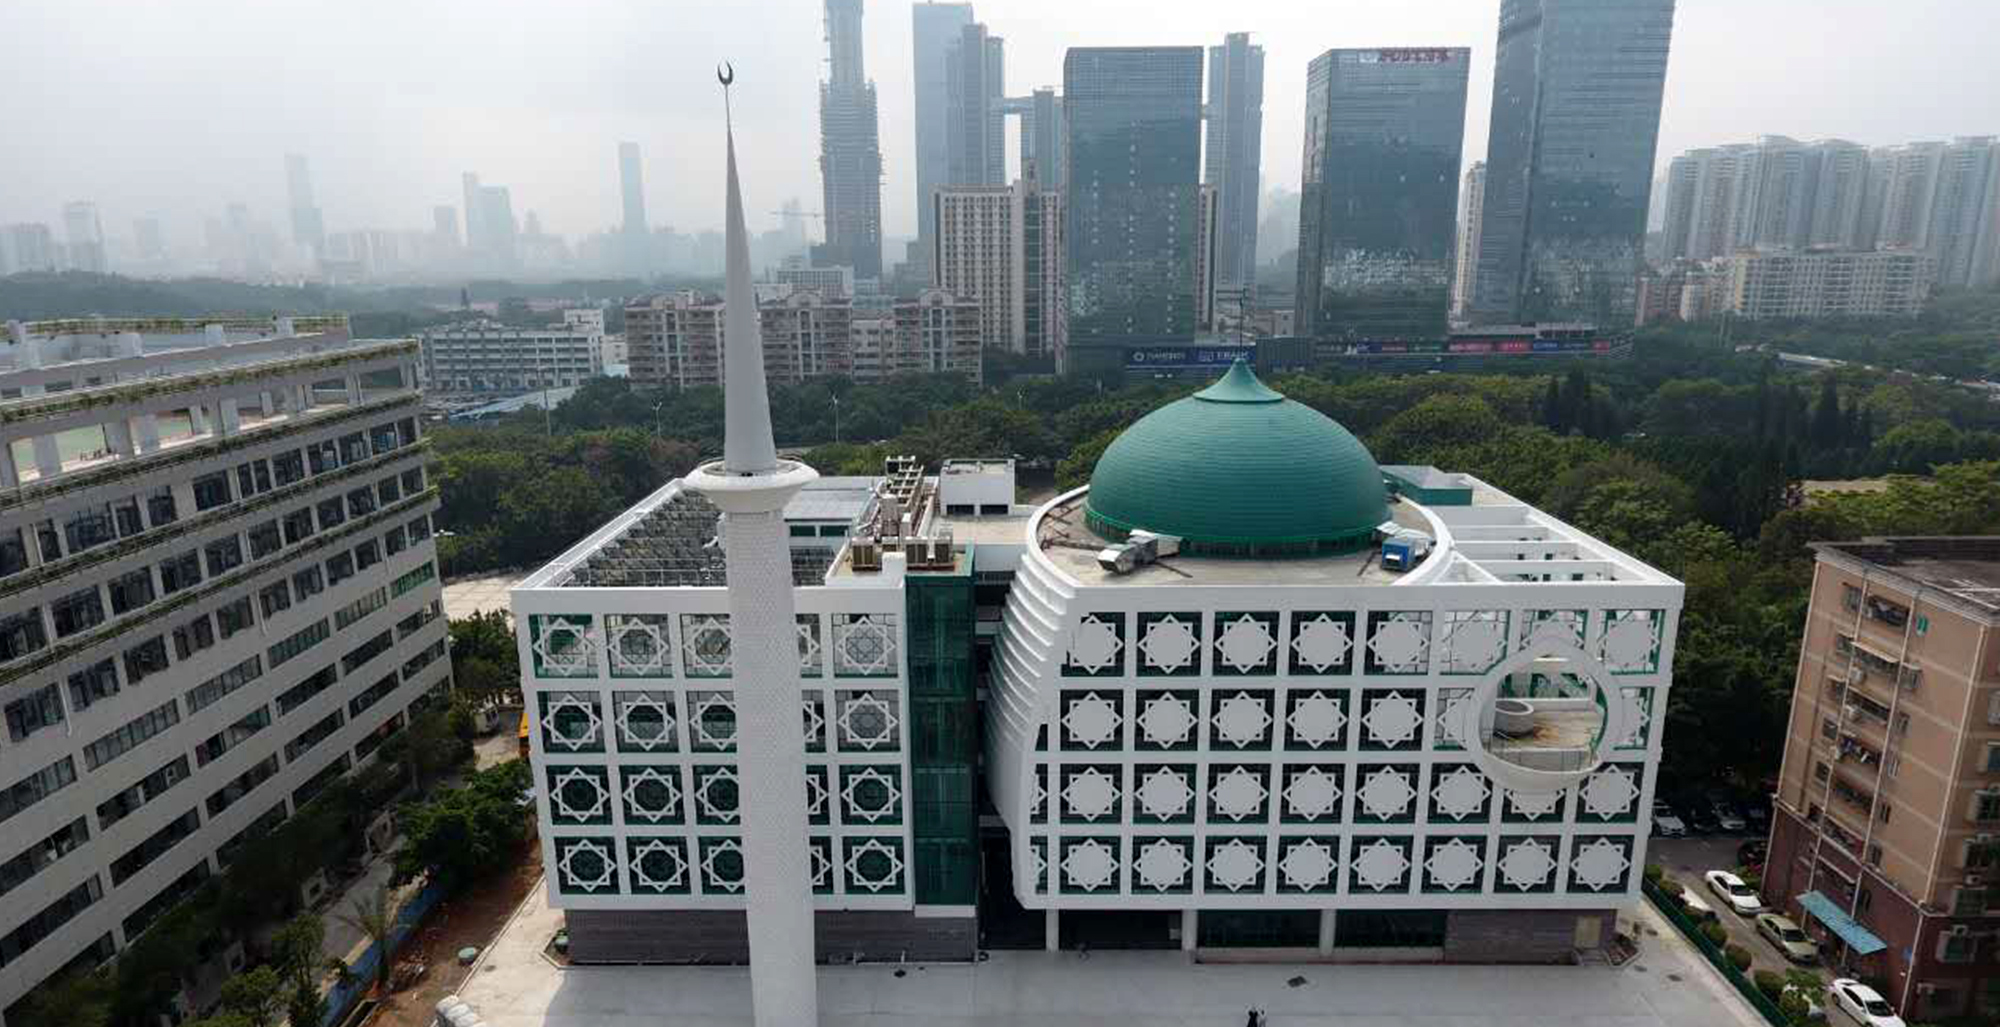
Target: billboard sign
1181	358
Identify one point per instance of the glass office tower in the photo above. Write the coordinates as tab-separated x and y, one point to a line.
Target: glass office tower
1569	162
1133	137
1378	200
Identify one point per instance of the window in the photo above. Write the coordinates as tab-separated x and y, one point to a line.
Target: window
299	526
34	711
366	651
416	576
214	689
423	659
37	786
49	541
232	736
353	448
160	507
194	636
142	855
387	491
253	478
331	512
1850	598
360	608
287	468
1985	806
361	502
420	529
274	598
413	481
393	541
300	641
235	616
1993	707
367	555
180	572
132	735
242	785
308	583
374	694
126	513
17	871
131	590
265	539
22	633
211	491
314	735
50	920
339	568
1992	762
1956	944
224	555
145	659
88	528
79	611
13	553
148	788
92	685
296	696
383	437
323	456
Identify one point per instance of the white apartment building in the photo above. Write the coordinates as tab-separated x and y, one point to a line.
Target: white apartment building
1881	283
220	594
674	340
489	357
1002	246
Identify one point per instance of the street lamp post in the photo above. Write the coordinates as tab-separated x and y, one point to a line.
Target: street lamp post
836	420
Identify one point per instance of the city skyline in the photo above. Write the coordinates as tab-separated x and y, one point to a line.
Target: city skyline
532	132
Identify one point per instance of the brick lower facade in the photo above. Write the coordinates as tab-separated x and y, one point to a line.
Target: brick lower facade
1520	936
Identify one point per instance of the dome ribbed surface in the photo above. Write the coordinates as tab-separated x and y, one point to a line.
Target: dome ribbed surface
1237	469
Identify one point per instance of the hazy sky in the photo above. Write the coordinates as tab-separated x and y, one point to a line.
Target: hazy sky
175	107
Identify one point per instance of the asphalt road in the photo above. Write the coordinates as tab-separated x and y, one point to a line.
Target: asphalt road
1686	859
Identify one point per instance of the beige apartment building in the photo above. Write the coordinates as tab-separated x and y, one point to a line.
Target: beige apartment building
674	340
1885	842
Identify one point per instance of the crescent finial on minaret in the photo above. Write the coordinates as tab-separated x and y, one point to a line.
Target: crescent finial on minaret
725	74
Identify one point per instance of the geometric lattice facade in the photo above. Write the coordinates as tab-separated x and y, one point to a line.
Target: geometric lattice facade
1283	744
634	739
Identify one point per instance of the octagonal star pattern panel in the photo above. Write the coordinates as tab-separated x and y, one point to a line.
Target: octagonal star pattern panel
1309	864
867	721
864	644
1454	706
1541	628
717	795
1242	719
1534	806
1598	864
1399	642
1089	864
1321	642
1631	641
1090	720
1386	793
1236	793
712	721
705	645
579	795
874	864
1312	793
585	865
1246	643
1458	793
1527	864
721	866
870	794
1609	793
1166	720
1089	793
563	645
1317	719
652	794
1097	644
570	722
638	645
819	865
1474	641
645	721
1170	643
1379	864
1452	864
1235	864
810	649
1162	864
1391	719
657	865
1165	793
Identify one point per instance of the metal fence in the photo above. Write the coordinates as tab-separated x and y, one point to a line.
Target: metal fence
343	996
1692	932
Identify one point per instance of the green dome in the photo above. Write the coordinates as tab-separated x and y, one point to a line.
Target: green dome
1237	469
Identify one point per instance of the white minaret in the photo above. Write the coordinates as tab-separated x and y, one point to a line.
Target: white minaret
750	485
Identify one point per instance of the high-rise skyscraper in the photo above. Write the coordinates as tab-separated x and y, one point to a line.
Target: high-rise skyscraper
1042	140
1471	201
1235	143
850	154
85	234
1964	218
1000	245
308	229
1569	160
1132	118
1379	192
147	240
976	129
474	240
444	226
935	30
633	189
1838	197
27	246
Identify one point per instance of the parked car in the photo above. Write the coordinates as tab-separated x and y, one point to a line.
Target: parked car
1727	816
1751	853
1667	823
1863	1003
1699	819
1698	908
1734	893
1782	932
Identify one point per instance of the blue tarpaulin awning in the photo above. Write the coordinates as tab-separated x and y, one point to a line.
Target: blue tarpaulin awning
1858	938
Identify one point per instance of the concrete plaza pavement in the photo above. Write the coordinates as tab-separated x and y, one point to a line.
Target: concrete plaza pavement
1668	985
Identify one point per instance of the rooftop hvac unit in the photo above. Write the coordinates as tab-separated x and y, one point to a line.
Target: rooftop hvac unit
1140	547
866	554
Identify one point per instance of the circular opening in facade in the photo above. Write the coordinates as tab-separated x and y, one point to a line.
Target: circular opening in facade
1544	719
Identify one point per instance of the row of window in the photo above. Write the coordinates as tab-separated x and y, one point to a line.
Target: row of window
24	632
